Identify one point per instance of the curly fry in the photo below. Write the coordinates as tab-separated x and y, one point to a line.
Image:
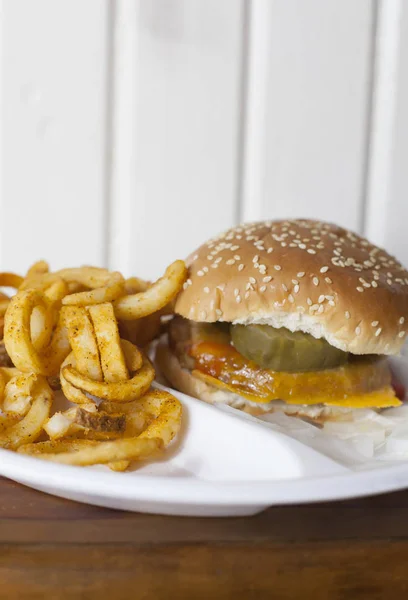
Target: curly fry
155	297
17	336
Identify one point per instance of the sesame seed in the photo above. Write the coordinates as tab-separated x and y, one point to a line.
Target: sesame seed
284	287
314	307
315	281
203	314
324	269
302	246
231	261
238	299
360	289
236	292
291	298
301	274
277	267
205	269
209	257
218	312
240	267
256	265
207	290
309	301
357	330
269	250
267	279
246	296
214	266
377	333
185	285
255	259
311	251
237	257
374	324
401	321
332	303
320	309
233	248
295	281
401	334
219	259
262	288
200	273
328	280
389	281
296	288
321	299
221	286
347	314
252	280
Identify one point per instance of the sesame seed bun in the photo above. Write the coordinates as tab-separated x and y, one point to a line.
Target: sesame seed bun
181	379
303	275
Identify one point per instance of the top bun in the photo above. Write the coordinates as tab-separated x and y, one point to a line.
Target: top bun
303	275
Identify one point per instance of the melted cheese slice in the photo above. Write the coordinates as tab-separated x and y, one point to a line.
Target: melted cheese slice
384	398
364	383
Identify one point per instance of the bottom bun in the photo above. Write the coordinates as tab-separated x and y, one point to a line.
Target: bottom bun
183	380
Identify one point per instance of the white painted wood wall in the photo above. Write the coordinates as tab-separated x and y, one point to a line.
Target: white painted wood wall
134	129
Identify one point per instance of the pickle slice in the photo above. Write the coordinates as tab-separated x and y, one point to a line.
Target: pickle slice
284	350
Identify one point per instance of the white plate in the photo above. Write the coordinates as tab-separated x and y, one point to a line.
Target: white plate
225	465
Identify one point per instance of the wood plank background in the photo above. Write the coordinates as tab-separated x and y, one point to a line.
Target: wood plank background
133	130
53	548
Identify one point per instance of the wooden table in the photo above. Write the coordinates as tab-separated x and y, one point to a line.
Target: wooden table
52	548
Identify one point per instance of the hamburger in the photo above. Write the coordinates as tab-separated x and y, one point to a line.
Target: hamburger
296	315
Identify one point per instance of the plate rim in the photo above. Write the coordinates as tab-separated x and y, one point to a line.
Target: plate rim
157	488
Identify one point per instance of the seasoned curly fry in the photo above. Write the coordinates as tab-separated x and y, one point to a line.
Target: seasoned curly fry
17	336
63	326
18	394
38	268
10	280
31	426
110	349
134	285
155	297
110	292
87	452
39	281
72	393
4	302
83	342
122	391
133	356
90	277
